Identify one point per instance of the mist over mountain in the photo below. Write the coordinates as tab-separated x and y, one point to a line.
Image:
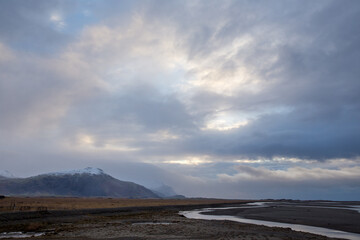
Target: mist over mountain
88	182
166	191
6	174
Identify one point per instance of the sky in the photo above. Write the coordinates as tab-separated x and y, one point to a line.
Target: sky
230	99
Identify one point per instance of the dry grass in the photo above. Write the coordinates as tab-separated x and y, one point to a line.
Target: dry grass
10	204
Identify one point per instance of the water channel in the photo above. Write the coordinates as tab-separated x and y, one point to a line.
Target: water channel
197	214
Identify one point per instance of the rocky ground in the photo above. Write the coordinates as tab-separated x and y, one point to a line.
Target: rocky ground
146	224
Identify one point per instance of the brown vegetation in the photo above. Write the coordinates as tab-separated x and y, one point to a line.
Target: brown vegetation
11	204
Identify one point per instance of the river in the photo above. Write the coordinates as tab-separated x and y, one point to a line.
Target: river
196	214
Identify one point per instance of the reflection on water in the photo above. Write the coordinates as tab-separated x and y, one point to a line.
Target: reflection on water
20	234
152	223
355	207
316	205
196	214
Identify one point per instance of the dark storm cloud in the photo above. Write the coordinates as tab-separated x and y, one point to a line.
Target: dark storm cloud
288	135
314	78
142	106
153	110
297	182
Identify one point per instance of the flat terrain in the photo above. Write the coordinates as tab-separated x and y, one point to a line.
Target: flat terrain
336	215
24	204
148	224
73	218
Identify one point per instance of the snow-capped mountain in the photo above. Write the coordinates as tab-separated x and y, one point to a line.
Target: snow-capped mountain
88	170
88	182
6	174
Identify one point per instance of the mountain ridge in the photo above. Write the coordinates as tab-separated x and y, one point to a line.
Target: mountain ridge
88	182
87	170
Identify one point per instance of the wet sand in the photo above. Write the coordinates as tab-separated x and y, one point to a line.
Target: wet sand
139	223
316	214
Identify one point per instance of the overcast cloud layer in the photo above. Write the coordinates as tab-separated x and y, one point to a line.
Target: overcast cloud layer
235	99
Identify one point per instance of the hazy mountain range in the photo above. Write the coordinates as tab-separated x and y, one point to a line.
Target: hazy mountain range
88	182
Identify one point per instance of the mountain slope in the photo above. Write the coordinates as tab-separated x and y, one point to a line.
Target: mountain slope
89	182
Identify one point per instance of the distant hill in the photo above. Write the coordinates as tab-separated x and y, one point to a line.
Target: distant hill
166	191
88	182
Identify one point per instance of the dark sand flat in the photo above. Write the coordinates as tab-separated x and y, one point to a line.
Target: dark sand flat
312	214
162	224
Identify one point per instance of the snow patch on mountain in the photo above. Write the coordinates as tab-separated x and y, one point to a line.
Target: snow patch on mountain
6	173
88	170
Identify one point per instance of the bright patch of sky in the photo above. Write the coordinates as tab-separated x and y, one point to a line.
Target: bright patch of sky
58	21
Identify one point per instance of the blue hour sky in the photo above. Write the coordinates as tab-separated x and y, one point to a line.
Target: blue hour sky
228	99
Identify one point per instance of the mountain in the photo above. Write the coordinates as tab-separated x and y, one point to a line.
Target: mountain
166	191
88	182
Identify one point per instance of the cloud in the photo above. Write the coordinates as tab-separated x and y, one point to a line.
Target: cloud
295	175
206	84
30	25
298	90
233	80
36	92
295	182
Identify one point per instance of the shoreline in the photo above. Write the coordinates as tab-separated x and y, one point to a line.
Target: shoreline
327	216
